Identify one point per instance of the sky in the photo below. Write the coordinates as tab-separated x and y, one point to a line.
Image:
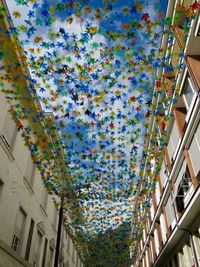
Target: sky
93	64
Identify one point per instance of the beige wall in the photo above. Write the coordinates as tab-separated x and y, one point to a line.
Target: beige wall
16	192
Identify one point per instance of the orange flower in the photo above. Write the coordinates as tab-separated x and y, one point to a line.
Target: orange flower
16	14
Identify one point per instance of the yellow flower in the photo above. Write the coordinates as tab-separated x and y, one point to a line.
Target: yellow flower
51	10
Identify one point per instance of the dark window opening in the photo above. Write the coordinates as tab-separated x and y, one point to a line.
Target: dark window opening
30	235
183	189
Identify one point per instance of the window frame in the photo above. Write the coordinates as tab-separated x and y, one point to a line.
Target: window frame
197	28
188	82
29	239
37	249
22	230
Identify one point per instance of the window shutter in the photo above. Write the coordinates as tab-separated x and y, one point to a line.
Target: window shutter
170	147
175	134
170	211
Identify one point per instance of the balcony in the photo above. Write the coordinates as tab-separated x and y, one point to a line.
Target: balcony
179	25
185	102
193	63
186	27
193	42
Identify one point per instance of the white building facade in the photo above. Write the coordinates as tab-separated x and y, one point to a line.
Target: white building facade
28	215
171	237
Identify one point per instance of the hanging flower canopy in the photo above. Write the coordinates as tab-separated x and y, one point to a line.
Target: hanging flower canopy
92	65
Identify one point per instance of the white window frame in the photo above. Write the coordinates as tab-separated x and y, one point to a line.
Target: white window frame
196	142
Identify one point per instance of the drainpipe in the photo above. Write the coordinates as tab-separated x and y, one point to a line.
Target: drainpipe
56	261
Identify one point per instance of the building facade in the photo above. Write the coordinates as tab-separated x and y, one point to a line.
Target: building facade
171	236
28	215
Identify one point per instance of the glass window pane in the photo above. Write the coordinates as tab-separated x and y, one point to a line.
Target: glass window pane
188	93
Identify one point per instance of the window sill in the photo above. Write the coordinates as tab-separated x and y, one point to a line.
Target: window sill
6	148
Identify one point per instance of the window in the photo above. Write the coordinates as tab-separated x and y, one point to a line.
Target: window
156	241
170	211
18	231
30	170
163	228
189	261
37	252
9	131
196	238
157	193
44	252
173	141
181	258
188	92
194	151
30	235
164	173
51	257
183	190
